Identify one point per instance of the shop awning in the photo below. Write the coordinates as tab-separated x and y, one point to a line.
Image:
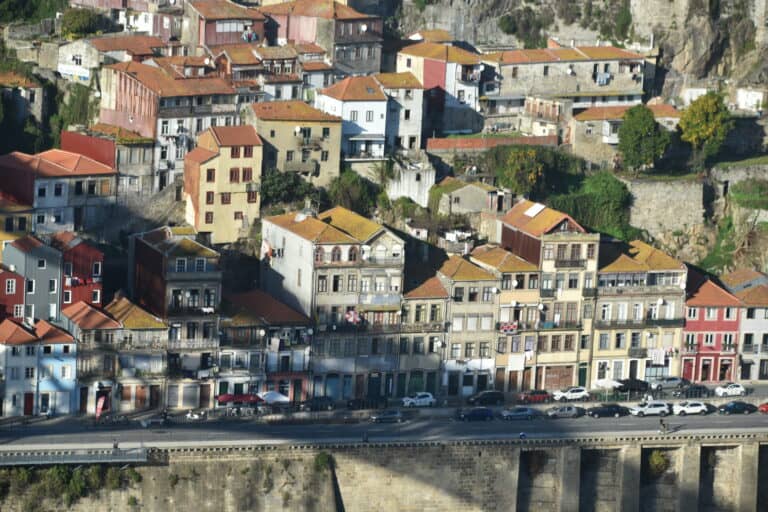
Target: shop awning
243	399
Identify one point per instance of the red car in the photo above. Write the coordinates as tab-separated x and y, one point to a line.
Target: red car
535	396
763	408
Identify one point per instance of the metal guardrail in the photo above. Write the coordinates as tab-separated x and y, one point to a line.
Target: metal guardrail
73	456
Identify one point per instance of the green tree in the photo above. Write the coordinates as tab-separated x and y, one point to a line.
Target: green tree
522	172
282	187
81	22
705	125
641	140
354	192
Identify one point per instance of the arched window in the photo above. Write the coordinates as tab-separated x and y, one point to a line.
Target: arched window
353	254
336	254
319	255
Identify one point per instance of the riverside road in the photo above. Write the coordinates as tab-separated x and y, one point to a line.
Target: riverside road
231	432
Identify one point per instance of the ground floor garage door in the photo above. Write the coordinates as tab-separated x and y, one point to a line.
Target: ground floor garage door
558	377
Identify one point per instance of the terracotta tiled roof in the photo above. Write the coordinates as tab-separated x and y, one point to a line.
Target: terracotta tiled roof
13	79
54	163
607	113
291	111
535	218
303	48
27	243
638	257
355	88
282	79
335	226
225	10
315	9
459	269
276	52
159	81
316	65
502	260
741	276
259	308
432	288
134	44
243	135
540	55
710	294
163	240
754	296
64	240
200	155
9	203
132	316
12	333
405	80
50	334
480	143
242	54
441	52
351	223
432	36
116	131
311	229
88	317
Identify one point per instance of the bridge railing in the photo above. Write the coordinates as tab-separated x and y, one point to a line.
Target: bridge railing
46	457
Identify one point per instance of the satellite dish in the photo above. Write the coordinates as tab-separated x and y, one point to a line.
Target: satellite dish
513	303
682	285
515	283
660	301
297	129
207	61
363	28
541	307
495	290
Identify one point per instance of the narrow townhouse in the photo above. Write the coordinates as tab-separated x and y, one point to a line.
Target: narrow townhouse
751	287
710	349
639	319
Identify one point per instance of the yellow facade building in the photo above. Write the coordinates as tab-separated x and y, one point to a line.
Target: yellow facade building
298	138
221	182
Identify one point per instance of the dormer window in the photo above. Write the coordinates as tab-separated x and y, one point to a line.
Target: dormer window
181	265
336	254
319	255
352	254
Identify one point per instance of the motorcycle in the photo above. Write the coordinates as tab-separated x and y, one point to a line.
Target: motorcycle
196	416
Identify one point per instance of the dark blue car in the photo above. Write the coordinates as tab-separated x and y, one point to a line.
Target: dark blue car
736	407
476	414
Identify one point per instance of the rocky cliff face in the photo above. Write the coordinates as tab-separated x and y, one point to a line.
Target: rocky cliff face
699	39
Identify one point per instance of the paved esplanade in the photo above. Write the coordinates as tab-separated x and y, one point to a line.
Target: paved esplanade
245	432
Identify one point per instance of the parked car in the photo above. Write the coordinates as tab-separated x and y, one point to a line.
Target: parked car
661	383
565	411
607	410
487	398
632	386
419	400
572	393
521	413
476	414
736	407
367	403
693	391
156	421
317	403
763	408
690	407
534	396
730	389
652	408
387	416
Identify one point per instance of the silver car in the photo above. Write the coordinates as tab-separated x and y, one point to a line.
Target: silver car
565	411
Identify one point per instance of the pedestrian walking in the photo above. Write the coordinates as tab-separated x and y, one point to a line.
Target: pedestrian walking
662	426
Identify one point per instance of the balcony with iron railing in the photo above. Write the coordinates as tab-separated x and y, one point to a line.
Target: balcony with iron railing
638	352
690	348
193	344
753	348
589	293
310	166
570	263
192	310
562	324
659	290
547	293
729	349
634	323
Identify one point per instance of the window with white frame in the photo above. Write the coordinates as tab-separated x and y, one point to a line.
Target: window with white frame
605	312
67	296
96	268
18	310
181	264
41	263
10	286
730	313
670	310
66	372
709	339
458	323
68	269
164	127
727	341
52	285
30	286
96	296
710	314
653	311
692	314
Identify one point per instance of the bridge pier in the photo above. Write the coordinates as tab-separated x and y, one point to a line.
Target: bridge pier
629	468
689	469
570	478
748	481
